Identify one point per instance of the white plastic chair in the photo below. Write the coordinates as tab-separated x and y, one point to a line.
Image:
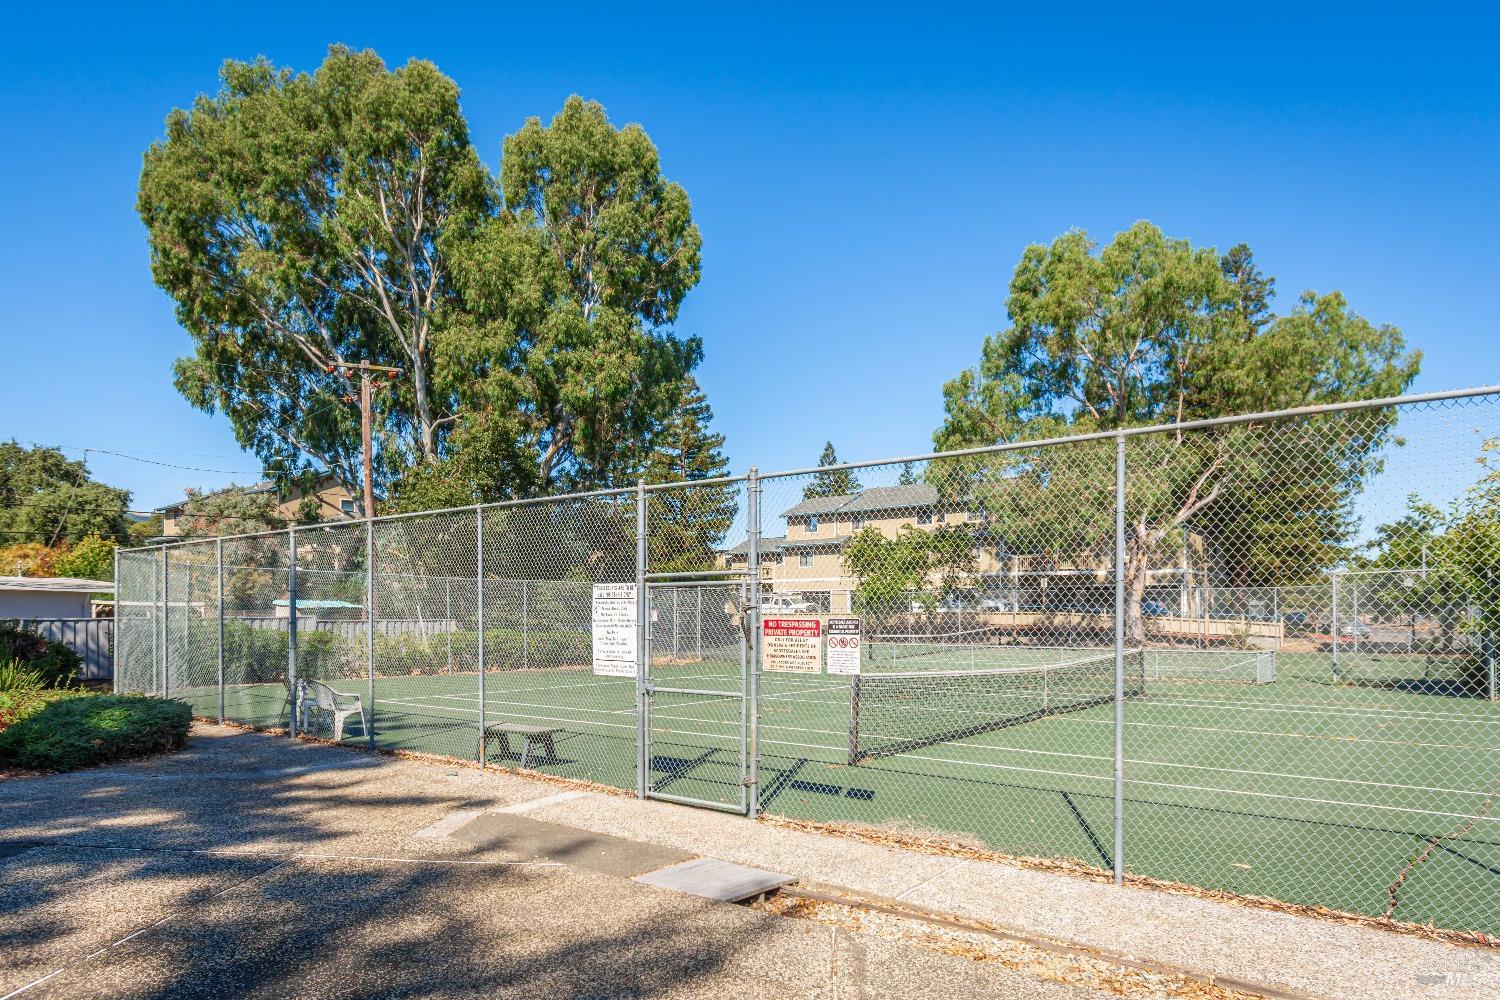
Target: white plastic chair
317	696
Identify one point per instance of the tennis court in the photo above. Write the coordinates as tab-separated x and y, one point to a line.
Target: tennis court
1309	708
1298	788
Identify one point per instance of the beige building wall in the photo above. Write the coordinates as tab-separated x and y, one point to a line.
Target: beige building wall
333	502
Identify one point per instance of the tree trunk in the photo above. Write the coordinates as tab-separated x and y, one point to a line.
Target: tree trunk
1138	546
426	426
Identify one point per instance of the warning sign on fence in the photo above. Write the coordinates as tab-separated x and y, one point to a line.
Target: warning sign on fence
791	645
844	635
616	632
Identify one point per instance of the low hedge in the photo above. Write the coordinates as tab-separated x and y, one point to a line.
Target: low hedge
56	662
60	730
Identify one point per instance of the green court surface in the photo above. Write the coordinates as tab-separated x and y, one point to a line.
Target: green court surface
1303	788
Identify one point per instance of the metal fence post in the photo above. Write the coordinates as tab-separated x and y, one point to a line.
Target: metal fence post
219	617
370	630
166	631
643	628
115	635
1119	820
525	632
291	627
479	620
752	749
155	620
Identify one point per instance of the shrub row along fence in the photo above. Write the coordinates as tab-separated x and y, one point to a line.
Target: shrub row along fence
1254	654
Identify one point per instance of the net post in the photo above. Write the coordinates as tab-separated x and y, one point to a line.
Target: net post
291	628
219	616
1119	816
370	630
642	627
752	748
854	720
479	620
1333	618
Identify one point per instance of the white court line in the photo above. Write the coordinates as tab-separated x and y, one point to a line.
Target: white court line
665	716
930	759
1318	708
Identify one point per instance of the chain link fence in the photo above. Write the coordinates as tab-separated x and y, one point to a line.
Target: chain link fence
1254	654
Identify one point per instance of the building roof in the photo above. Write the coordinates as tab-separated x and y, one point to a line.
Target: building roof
264	486
891	498
831	542
317	604
768	543
57	584
818	505
865	501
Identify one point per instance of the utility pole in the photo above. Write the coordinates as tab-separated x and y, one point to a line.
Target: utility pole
365	392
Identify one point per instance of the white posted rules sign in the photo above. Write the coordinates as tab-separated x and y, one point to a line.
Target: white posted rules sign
792	645
616	629
844	635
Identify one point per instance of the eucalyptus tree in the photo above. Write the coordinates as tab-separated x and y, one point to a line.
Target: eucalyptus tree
1153	330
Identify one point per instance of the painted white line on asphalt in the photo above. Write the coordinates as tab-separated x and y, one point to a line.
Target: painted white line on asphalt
449	823
546	800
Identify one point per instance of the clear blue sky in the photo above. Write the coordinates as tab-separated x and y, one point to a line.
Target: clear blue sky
865	180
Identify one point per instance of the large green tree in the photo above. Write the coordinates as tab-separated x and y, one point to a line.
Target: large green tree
299	221
1153	330
232	511
563	353
1443	564
687	524
838	482
46	498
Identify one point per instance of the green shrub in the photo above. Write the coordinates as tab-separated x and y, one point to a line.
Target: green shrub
57	663
65	730
17	676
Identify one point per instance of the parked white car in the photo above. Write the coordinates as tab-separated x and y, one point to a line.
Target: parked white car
782	604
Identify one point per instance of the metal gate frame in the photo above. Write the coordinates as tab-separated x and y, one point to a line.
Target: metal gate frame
748	580
649	689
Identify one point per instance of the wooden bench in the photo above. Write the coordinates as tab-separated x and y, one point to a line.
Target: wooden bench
503	731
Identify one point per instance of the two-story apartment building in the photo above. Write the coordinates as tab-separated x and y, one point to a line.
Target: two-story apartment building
327	497
805	566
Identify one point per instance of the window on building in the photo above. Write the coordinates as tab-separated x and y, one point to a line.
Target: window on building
812	525
859	523
805	560
347	506
924	518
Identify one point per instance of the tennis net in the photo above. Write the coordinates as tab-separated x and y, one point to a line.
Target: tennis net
896	712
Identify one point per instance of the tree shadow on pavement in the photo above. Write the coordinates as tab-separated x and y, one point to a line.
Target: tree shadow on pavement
248	866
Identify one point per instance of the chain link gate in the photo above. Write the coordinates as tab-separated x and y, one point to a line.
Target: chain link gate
695	705
697	712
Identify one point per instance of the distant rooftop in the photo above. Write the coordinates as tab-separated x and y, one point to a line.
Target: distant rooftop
908	496
57	584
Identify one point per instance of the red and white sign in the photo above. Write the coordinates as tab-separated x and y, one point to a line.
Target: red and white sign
791	645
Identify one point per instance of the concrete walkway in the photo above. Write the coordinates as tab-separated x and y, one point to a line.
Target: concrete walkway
250	865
